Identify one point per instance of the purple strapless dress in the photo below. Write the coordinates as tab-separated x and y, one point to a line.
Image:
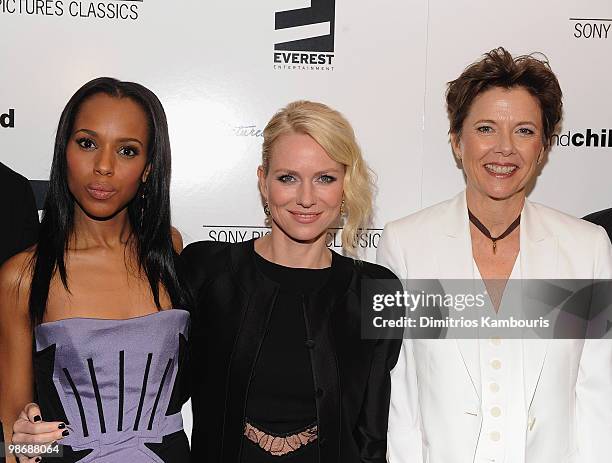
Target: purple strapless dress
118	384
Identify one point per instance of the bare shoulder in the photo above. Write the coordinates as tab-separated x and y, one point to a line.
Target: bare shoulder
177	240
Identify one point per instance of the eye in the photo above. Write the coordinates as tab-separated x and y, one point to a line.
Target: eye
286	178
485	129
327	179
526	131
128	151
86	143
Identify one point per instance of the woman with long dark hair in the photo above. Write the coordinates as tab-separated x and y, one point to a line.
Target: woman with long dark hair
92	296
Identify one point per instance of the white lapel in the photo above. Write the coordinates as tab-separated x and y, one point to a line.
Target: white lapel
454	254
539	254
539	260
455	261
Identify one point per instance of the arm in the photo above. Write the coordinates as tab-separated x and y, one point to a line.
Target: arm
16	377
594	401
404	441
594	383
371	428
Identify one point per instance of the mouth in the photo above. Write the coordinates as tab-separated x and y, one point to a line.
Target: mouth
100	191
305	217
501	170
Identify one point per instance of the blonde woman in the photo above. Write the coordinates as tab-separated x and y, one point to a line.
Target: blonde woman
278	319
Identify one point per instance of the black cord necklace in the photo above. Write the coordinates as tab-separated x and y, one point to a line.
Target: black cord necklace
485	231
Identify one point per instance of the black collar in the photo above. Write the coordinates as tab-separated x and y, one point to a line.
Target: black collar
244	267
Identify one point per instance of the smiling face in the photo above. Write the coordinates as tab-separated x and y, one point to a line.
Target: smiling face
107	155
303	188
500	143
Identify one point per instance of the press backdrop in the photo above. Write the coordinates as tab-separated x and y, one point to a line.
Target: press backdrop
222	68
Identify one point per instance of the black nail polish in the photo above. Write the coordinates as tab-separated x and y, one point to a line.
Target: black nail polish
37	418
65	433
61	426
38	459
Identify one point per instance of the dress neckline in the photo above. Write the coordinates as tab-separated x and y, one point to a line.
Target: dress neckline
95	319
292	279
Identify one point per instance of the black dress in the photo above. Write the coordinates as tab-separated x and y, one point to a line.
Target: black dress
281	398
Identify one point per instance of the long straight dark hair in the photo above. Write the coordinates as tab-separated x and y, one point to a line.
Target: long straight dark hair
149	216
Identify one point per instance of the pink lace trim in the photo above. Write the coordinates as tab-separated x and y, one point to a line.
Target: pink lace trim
280	445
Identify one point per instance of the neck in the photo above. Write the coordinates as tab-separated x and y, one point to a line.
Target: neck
90	233
495	214
277	247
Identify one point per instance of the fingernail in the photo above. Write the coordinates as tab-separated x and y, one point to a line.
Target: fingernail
37	418
65	433
61	426
38	459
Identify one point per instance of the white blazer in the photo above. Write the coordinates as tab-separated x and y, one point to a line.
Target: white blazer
436	413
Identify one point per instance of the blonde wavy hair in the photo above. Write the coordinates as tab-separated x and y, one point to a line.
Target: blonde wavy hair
332	131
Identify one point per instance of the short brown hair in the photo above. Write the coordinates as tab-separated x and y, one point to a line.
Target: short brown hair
498	68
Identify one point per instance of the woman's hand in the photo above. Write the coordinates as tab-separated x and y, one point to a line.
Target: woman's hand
30	429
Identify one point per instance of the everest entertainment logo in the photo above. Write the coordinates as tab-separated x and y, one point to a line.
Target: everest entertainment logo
304	37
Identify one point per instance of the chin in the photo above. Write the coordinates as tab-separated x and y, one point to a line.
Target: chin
100	212
499	190
302	233
500	195
303	236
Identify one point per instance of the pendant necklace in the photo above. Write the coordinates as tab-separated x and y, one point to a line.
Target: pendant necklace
485	231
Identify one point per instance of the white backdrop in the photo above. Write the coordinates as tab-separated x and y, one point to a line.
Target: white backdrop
212	66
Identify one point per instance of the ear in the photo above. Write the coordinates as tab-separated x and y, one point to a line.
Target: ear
261	181
145	173
455	141
541	155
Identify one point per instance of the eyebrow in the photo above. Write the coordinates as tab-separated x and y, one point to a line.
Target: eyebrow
93	133
90	132
293	172
136	140
489	121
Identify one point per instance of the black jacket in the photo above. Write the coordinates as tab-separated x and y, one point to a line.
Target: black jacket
351	375
19	228
603	218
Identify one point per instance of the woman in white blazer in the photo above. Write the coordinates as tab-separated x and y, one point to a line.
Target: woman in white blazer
500	400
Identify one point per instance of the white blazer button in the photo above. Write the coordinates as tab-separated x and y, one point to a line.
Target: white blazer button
531	422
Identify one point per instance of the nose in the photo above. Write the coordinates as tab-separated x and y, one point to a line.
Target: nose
104	163
305	195
505	144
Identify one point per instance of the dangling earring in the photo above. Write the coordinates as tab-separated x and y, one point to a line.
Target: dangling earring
342	209
267	209
143	203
